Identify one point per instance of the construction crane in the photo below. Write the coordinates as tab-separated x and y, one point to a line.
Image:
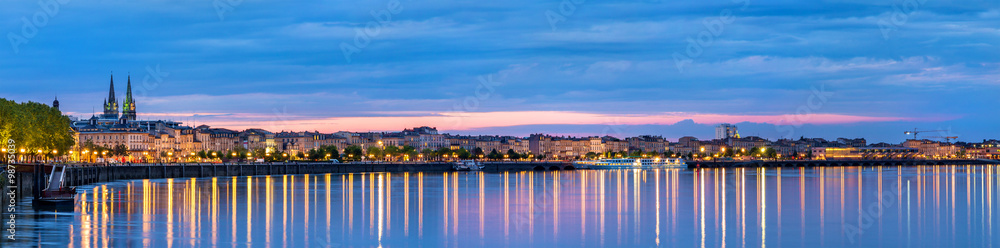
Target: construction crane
946	138
915	132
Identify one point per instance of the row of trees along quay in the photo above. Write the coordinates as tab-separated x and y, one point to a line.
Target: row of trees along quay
350	154
392	154
39	132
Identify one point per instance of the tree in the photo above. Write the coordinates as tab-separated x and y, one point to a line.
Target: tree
314	154
771	153
427	152
330	152
478	152
392	151
409	151
495	155
443	151
374	152
164	156
35	126
119	150
463	154
511	154
591	155
636	153
353	153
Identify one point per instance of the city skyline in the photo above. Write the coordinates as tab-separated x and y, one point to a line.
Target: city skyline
144	140
577	75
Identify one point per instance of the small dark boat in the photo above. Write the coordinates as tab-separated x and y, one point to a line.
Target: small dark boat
55	196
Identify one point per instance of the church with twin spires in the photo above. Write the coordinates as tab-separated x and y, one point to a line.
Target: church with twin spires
119	125
111	104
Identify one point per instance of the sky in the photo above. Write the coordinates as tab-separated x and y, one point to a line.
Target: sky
776	69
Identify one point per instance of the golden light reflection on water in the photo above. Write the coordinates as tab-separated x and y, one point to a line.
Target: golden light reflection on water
649	208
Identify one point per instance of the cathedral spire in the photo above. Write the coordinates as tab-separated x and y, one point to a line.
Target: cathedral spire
110	104
111	92
129	108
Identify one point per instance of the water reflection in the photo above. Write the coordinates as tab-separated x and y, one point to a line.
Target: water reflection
885	206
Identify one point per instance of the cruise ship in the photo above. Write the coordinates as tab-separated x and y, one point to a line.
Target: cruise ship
633	163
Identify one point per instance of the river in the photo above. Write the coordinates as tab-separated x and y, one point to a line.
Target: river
740	207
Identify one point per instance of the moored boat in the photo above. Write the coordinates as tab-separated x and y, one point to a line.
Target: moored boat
56	196
634	163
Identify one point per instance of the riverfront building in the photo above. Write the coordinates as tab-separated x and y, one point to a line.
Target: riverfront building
725	131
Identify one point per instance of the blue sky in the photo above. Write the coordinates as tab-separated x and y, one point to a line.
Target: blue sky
776	68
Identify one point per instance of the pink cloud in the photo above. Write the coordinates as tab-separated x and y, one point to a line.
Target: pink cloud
475	120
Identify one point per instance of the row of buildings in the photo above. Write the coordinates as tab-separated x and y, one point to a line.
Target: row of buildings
147	138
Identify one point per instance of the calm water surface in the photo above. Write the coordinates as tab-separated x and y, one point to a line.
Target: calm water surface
850	206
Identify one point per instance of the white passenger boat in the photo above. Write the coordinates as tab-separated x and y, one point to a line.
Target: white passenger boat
634	163
467	165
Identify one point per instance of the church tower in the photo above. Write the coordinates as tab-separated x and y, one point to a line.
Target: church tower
111	105
55	103
128	110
